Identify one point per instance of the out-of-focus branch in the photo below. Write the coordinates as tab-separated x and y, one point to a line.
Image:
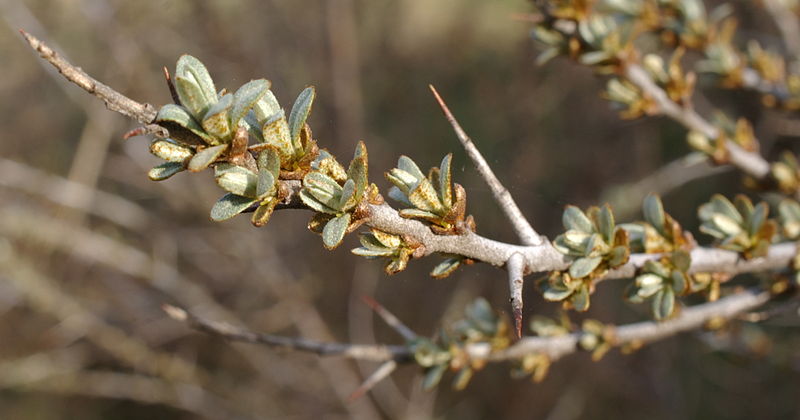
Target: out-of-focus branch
522	227
748	162
638	333
354	351
554	347
787	23
625	199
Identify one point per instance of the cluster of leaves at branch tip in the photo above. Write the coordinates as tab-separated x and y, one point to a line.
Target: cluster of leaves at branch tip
661	281
337	194
659	232
740	132
605	34
789	217
595	244
481	324
739	227
208	128
379	244
434	199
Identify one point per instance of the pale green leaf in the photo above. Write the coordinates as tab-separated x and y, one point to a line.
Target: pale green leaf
334	231
230	205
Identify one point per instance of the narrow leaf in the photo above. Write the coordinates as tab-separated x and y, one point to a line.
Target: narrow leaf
246	97
654	212
164	171
334	231
582	267
230	205
206	157
575	219
299	114
446	267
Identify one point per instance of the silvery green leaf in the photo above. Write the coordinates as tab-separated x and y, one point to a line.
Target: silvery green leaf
595	246
649	284
406	164
580	299
575	219
725	224
246	97
759	216
403	180
192	97
315	204
328	165
654	212
681	260
267	107
194	71
250	121
424	197
230	205
276	133
419	214
269	159
324	189
582	267
299	114
576	240
678	282
334	231
655	267
205	157
446	267
174	114
358	173
462	378
433	376
605	223
164	171
236	179
347	199
265	185
397	195
372	253
263	213
216	121
386	239
170	151
663	303
720	204
445	182
744	206
556	292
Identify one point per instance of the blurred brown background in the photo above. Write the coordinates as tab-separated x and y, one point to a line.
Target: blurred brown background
90	248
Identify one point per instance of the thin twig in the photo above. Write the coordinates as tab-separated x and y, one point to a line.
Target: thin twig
378	353
516	281
380	374
522	227
750	163
390	319
115	101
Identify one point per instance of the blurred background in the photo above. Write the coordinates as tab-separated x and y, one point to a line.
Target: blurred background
90	248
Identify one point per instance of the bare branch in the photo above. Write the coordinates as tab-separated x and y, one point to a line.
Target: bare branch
642	332
787	23
522	227
377	353
749	162
390	319
380	374
515	267
115	101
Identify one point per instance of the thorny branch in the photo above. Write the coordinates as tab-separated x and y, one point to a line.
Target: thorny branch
538	256
556	347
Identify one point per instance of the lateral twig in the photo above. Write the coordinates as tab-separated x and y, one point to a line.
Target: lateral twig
378	353
115	101
390	319
380	374
522	227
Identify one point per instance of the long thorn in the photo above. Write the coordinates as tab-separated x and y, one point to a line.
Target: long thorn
524	230
380	374
390	319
